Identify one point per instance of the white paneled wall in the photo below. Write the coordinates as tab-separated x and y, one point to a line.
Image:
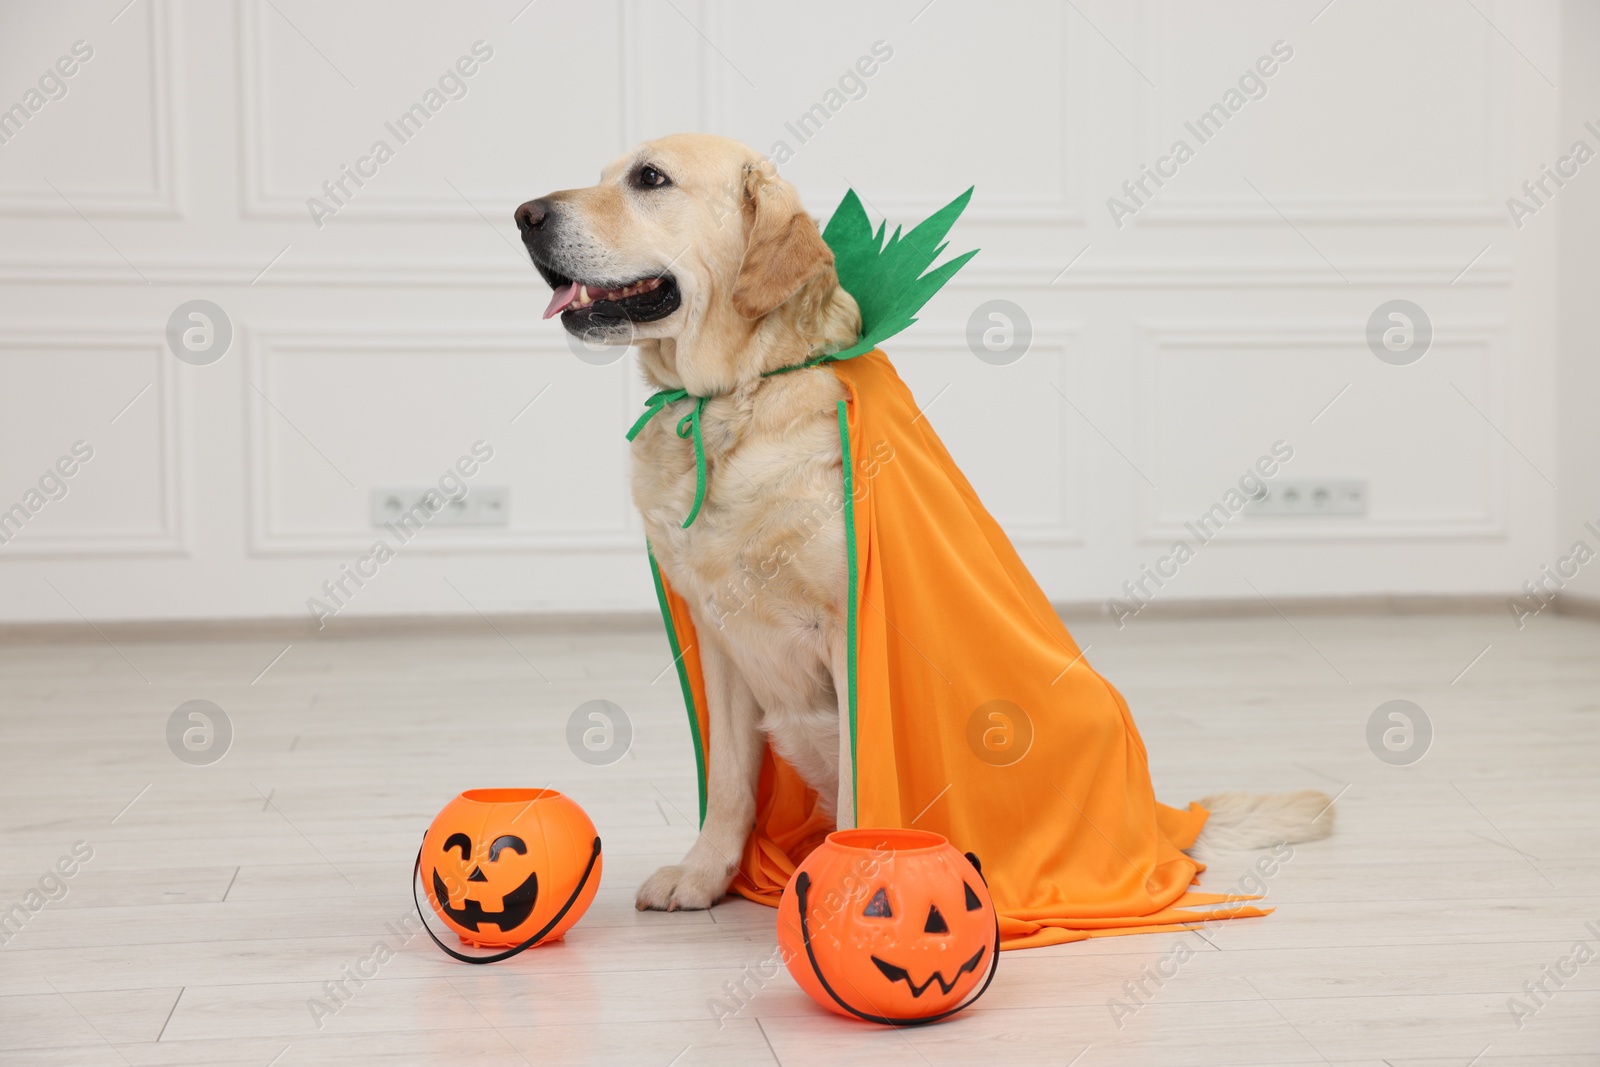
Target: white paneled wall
1579	273
1177	335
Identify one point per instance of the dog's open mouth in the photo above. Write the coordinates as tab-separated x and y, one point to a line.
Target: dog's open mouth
584	305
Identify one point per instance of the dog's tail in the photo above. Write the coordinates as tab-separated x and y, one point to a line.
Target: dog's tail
1242	821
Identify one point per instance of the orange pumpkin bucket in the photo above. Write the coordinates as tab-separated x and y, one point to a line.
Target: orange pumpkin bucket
890	926
508	869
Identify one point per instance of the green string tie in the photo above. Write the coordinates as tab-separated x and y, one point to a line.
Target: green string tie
689	427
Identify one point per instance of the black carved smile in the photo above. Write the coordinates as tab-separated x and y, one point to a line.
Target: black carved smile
899	974
514	909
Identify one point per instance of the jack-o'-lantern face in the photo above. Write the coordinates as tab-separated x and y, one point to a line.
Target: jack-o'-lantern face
501	865
517	895
893	926
920	962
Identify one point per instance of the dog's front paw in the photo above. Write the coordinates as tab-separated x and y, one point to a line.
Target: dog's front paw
681	888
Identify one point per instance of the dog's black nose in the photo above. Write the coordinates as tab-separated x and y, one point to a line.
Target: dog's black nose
531	216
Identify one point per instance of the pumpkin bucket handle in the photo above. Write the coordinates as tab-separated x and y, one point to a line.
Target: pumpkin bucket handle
802	886
594	857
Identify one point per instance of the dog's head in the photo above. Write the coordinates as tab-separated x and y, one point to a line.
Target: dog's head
692	247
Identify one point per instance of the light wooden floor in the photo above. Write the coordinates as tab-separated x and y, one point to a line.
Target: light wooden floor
210	914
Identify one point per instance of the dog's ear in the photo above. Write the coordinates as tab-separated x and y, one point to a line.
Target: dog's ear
784	250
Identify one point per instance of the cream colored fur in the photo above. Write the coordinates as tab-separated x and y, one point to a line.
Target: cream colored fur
1242	821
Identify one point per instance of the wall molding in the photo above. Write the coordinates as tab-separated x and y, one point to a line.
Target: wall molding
1164	272
265	539
1063	206
1173	210
1331	211
171	538
161	201
260	201
1493	523
1060	341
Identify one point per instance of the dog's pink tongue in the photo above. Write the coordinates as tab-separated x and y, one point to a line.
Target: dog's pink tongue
561	298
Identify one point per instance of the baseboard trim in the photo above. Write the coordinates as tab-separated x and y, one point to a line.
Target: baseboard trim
370	626
1242	608
1580	607
306	629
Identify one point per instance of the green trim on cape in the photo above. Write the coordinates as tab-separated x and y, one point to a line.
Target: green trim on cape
850	568
683	682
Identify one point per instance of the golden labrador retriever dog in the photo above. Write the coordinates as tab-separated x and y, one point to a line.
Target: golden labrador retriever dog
693	249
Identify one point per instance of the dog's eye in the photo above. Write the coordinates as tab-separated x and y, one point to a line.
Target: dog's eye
647	177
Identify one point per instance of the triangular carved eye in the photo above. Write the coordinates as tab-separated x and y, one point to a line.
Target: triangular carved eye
878	906
973	903
935	923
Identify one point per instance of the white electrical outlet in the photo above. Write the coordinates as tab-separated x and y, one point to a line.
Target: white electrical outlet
483	505
1301	497
493	503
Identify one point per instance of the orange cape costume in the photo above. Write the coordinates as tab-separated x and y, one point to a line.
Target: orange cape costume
972	711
